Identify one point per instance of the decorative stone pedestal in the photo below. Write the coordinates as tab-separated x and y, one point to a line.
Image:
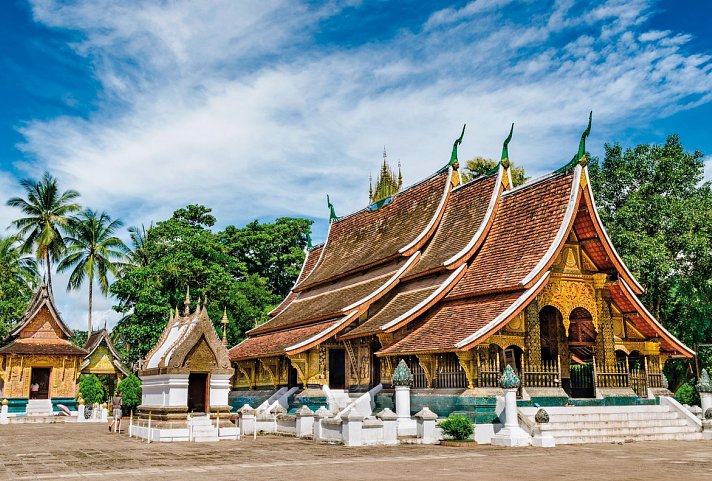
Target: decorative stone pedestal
511	435
542	439
402	379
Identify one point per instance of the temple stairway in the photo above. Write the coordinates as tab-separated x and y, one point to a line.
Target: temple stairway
342	398
610	424
203	430
39	407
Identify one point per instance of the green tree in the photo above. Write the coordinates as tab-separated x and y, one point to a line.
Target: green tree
130	388
91	389
93	251
48	212
242	270
658	212
272	251
79	338
137	254
481	165
18	279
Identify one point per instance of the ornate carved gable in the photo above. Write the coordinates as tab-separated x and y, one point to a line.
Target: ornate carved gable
201	357
42	326
201	347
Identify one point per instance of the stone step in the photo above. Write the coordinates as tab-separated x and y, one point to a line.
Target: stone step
621	417
638	423
570	410
623	431
578	439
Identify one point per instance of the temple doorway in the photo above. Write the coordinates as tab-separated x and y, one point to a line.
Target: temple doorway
292	377
198	392
375	367
337	371
39	382
581	341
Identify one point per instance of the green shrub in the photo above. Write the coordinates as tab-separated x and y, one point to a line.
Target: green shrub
687	394
130	388
91	389
457	427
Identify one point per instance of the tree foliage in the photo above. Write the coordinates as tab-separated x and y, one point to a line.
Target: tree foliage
243	270
18	279
130	388
658	213
91	389
481	165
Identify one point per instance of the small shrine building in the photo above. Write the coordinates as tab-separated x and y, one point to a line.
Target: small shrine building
102	359
188	371
40	366
460	280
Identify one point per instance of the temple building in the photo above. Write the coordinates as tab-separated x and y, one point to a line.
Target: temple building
102	359
461	280
39	367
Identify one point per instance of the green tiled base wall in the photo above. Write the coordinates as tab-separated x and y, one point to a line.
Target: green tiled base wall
480	410
70	402
17	405
312	402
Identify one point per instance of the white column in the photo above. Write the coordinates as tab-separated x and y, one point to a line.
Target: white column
304	422
3	413
390	426
511	435
247	419
80	413
706	402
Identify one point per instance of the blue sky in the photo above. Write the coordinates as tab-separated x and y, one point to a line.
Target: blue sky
259	108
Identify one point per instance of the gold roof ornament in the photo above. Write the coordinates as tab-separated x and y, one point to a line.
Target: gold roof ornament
225	321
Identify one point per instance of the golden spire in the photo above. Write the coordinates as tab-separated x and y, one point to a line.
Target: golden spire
387	183
225	321
186	303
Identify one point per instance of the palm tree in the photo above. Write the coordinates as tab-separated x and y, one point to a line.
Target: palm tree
21	268
137	254
48	212
92	251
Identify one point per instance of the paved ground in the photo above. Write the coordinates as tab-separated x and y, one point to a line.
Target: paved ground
74	451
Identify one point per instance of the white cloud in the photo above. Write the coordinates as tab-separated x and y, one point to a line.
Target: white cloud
708	168
232	104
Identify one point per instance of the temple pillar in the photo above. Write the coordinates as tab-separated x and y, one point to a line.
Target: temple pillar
605	343
533	339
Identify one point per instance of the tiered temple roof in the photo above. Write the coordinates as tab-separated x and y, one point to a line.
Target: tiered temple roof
445	268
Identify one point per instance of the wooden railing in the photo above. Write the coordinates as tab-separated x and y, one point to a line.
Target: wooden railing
546	374
450	373
488	373
615	375
654	374
639	382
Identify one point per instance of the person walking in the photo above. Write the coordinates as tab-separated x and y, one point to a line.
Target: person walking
116	421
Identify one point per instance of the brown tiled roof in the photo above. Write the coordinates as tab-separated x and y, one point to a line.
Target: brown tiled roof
274	343
50	347
309	263
464	213
367	238
447	324
524	228
586	233
405	298
328	301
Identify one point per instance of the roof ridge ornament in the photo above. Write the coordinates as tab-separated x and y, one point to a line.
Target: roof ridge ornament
505	148
580	157
332	212
455	180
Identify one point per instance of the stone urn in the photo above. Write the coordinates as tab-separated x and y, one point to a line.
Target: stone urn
704	387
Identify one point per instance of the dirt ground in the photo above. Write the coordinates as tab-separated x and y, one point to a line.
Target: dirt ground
81	451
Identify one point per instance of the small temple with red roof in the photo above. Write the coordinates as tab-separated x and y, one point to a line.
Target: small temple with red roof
461	280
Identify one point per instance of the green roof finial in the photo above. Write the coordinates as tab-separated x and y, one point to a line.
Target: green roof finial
505	149
332	212
309	241
582	143
454	163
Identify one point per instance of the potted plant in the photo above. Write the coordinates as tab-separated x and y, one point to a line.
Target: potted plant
459	429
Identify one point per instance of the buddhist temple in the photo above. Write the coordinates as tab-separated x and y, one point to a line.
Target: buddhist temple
103	359
461	280
40	367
